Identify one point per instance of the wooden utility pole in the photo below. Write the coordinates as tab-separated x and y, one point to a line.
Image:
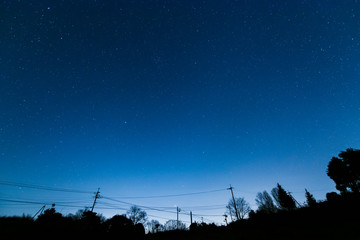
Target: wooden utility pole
190	217
232	194
96	197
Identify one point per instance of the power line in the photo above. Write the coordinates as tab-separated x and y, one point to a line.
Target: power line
173	195
40	187
33	186
149	208
39	203
198	208
145	207
206	209
16	201
22	201
207	215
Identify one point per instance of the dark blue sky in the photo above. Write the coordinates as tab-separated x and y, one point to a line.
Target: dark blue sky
146	98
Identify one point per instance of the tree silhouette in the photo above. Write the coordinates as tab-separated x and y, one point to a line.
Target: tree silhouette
265	202
119	225
345	170
243	208
49	215
137	215
283	199
91	222
310	200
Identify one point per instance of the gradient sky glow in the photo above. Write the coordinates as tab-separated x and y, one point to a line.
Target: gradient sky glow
144	98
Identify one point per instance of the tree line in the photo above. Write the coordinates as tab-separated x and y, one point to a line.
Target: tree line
344	170
278	216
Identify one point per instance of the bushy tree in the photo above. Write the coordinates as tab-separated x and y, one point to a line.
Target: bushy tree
283	199
344	170
242	207
265	202
53	224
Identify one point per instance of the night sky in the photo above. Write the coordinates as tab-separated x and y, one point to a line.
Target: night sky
147	98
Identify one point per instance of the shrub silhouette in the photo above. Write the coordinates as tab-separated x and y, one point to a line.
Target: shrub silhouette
139	231
119	225
49	216
91	224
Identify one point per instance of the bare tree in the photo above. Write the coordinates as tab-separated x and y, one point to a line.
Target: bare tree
154	226
242	207
172	225
136	215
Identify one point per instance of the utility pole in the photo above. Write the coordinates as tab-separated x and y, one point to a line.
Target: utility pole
190	217
232	194
177	217
96	197
40	211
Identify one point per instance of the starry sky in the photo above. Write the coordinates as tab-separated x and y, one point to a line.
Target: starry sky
160	97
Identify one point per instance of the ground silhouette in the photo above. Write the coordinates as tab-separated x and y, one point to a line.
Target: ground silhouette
337	217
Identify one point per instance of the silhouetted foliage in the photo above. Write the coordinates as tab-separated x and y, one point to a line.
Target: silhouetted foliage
345	170
12	227
51	223
137	215
139	231
265	202
202	227
91	223
252	214
119	225
283	199
310	200
49	216
335	218
332	196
